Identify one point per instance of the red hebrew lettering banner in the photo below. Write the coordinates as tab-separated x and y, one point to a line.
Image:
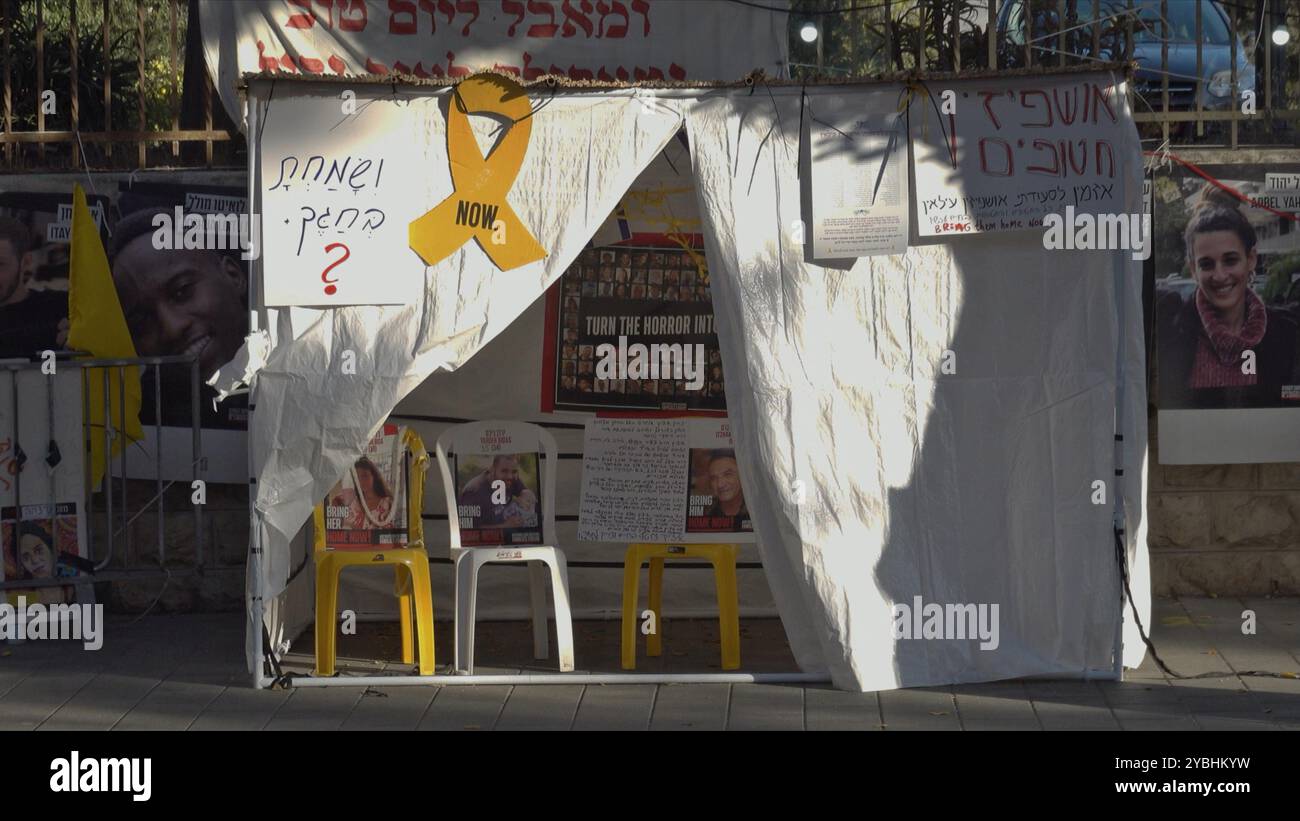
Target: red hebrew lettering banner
580	39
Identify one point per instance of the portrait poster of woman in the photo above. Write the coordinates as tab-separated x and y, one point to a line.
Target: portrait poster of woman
34	544
366	509
1227	290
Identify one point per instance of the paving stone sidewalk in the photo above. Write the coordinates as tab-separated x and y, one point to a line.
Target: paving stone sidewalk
187	672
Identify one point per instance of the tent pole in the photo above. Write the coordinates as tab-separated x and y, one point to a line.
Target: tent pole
256	608
1120	285
563	678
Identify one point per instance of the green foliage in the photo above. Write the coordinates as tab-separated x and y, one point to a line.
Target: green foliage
161	88
867	38
1170	222
1280	269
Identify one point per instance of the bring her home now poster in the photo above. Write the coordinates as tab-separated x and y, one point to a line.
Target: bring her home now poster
43	529
366	509
40	543
42	480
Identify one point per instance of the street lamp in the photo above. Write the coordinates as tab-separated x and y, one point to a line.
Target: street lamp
1281	35
808	33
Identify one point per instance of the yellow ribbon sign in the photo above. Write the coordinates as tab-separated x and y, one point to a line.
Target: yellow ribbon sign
477	207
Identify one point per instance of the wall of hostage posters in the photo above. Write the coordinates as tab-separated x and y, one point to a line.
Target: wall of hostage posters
633	330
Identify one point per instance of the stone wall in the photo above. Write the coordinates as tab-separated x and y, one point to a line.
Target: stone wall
1228	530
215	584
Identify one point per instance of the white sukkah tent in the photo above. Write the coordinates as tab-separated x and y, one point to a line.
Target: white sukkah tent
974	487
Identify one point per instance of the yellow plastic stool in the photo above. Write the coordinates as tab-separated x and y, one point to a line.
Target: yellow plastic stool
412	585
723	559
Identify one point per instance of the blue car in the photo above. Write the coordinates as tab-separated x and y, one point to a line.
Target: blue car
1213	84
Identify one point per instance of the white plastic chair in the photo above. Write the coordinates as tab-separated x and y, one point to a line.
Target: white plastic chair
523	438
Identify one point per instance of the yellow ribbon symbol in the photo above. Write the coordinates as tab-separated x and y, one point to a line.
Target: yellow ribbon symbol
477	207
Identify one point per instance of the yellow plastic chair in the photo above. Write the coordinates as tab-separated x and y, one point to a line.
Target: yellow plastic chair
411	565
723	559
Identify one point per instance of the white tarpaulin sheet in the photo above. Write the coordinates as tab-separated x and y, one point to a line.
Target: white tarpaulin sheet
964	488
873	478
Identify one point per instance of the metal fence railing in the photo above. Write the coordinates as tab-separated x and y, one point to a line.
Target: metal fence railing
1209	72
1212	72
99	83
133	485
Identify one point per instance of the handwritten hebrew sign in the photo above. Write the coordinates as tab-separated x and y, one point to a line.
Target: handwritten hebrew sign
338	191
1008	152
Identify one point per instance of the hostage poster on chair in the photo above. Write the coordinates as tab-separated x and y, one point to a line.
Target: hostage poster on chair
1226	307
499	499
663	480
366	509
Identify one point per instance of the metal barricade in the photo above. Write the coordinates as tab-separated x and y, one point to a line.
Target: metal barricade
111	499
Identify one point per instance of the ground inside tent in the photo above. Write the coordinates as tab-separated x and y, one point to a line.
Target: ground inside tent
506	647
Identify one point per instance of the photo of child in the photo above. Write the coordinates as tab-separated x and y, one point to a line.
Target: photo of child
498	502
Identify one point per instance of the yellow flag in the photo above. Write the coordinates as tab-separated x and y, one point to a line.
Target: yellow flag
98	326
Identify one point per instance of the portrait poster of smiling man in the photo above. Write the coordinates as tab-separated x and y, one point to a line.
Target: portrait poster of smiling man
1226	306
499	499
716	499
182	287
